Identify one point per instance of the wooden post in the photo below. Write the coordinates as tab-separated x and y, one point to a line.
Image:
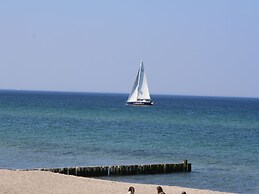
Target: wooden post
185	166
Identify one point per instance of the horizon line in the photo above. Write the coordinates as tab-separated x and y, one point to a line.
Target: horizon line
154	94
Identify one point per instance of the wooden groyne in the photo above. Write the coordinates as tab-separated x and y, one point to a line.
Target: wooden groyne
96	171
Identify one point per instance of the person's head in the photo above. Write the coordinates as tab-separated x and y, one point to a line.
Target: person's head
131	189
159	189
183	192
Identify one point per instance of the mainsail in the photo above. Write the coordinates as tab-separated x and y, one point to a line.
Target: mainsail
140	93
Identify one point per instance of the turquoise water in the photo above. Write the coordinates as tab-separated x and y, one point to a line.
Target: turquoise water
219	136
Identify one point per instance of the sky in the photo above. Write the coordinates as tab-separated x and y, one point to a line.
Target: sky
202	48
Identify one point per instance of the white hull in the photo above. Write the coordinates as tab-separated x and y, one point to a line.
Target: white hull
139	103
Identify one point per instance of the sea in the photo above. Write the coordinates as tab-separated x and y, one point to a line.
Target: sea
219	136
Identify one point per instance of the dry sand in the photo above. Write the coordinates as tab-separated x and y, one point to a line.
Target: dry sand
30	182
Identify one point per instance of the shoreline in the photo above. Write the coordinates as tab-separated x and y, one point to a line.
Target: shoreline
30	182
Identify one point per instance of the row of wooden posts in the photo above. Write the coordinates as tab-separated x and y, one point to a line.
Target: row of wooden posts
122	169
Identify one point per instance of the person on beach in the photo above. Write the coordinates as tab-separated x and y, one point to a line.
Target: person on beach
131	190
160	190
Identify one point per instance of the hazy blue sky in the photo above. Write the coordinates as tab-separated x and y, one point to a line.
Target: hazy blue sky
188	47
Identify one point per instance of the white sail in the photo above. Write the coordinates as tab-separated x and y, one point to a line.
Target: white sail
134	92
143	92
140	92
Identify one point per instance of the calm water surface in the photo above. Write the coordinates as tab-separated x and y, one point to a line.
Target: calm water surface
219	136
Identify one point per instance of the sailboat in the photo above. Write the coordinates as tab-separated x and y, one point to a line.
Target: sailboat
140	94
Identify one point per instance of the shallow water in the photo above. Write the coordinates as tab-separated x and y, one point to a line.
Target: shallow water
219	136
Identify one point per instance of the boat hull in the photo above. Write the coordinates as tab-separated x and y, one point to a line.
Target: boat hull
140	103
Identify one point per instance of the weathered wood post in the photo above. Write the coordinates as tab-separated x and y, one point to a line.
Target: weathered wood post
185	166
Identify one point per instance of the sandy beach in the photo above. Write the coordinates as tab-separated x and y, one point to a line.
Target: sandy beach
30	182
